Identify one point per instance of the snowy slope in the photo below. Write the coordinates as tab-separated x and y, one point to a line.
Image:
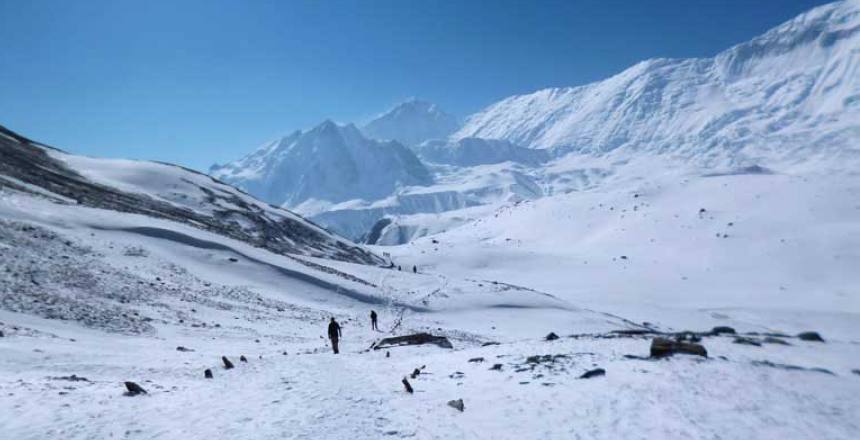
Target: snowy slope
789	94
324	165
412	123
166	192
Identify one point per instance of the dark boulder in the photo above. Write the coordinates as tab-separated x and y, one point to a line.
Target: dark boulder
476	360
183	349
457	404
856	371
227	364
747	341
551	336
593	373
662	347
414	339
775	340
207	374
810	336
243	358
722	329
134	389
496	367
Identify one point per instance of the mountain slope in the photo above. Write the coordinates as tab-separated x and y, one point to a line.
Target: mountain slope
787	94
328	164
412	123
164	192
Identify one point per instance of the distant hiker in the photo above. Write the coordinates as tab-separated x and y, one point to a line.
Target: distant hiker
414	269
373	325
334	334
398	267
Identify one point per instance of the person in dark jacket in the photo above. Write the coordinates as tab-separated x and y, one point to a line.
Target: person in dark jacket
334	334
414	269
373	325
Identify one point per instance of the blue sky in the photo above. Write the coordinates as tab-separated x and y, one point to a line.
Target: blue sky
197	82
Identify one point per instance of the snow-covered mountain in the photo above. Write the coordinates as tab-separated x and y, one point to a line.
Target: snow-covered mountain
328	164
791	93
412	123
165	192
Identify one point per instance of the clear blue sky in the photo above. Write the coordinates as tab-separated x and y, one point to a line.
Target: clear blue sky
197	82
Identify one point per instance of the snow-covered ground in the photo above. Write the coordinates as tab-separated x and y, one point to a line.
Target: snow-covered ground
128	297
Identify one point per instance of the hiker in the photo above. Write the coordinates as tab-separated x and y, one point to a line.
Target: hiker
334	334
414	269
373	325
398	267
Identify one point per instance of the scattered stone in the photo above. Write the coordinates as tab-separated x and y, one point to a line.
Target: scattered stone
388	354
134	389
1	334
791	367
593	373
722	329
551	336
662	347
477	360
183	349
457	404
243	358
207	374
856	371
407	386
775	340
72	378
747	341
233	259
810	336
227	364
633	332
487	344
414	339
496	367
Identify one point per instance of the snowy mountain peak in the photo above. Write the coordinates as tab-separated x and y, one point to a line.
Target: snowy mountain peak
412	122
329	163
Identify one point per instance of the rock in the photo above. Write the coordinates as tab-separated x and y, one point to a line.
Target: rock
775	340
243	358
487	344
414	339
388	354
856	371
593	373
183	349
722	329
233	259
747	341
415	373
227	364
810	336
134	389
1	334
662	347
407	386
477	360
207	374
496	367
457	404
551	336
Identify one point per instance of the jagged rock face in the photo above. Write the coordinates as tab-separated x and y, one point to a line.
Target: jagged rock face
328	164
792	91
165	192
412	123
